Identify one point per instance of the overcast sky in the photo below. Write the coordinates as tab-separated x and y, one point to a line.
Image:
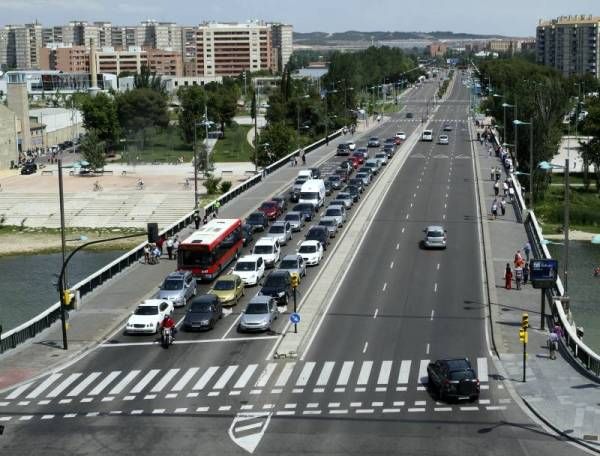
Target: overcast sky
506	17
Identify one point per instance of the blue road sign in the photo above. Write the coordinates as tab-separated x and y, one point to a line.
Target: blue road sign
295	318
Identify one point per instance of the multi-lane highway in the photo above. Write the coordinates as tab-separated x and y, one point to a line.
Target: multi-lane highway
360	387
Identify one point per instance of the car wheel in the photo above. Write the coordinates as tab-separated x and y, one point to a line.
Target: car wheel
157	328
212	325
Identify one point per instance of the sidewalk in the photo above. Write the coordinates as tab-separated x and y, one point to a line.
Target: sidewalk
555	390
104	310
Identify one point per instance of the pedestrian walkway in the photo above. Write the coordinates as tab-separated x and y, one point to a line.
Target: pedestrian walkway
555	391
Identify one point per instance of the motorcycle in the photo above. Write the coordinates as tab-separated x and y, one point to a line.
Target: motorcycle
166	337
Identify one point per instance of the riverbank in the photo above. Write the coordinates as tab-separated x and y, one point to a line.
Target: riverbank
32	241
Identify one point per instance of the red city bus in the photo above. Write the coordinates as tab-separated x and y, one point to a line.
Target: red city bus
211	248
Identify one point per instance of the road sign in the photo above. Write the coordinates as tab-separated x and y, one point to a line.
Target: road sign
295	318
543	273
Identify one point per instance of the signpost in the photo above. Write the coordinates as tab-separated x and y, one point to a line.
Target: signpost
295	317
543	275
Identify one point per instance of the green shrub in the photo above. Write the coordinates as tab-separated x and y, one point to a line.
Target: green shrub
225	186
212	184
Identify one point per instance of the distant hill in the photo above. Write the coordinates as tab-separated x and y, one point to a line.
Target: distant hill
353	35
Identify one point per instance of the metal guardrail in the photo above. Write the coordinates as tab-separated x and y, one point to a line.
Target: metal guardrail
586	357
44	320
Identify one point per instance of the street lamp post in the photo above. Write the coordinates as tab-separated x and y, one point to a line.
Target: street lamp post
517	122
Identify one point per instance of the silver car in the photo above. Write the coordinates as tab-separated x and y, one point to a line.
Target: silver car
331	223
382	157
336	212
259	315
347	197
345	202
282	231
365	177
294	264
178	287
373	164
435	237
296	220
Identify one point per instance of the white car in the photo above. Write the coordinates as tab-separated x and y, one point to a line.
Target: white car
443	139
382	157
148	316
250	268
401	135
351	145
268	248
311	252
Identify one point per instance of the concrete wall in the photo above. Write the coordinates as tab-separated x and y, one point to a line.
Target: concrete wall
18	102
8	137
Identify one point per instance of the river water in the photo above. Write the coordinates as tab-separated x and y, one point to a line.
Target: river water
28	285
584	288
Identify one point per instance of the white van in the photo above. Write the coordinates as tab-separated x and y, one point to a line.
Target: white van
427	135
305	172
269	249
313	191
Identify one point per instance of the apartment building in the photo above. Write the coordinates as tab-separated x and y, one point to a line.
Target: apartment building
161	62
65	58
569	44
283	38
20	46
437	49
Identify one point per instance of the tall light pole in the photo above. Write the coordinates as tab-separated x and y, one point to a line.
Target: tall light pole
327	92
516	123
504	106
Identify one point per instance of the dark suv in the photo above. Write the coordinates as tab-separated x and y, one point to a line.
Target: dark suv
258	221
318	233
278	285
453	379
306	209
343	149
29	168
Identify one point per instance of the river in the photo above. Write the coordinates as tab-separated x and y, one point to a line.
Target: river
584	288
28	281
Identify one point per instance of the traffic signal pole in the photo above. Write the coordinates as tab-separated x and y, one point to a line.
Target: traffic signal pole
295	309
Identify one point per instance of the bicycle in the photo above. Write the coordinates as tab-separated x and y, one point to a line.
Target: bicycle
186	184
140	185
97	187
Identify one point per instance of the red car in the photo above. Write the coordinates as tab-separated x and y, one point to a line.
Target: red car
398	141
355	162
271	209
358	156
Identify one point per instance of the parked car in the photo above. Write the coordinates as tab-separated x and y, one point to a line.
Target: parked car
229	289
311	252
259	315
295	265
453	379
271	209
250	268
258	221
28	168
447	127
278	284
296	220
179	287
345	203
148	316
318	233
306	209
347	197
203	313
282	231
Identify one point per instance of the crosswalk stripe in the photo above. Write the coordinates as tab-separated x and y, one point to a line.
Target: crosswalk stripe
482	369
225	377
423	371
18	391
325	373
138	388
119	387
365	372
404	372
45	384
245	377
345	373
305	374
63	385
84	384
164	380
185	379
104	383
264	376
285	374
384	373
201	383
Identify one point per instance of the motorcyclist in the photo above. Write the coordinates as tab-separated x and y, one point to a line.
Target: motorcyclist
169	323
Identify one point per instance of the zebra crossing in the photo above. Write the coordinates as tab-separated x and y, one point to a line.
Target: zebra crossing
233	380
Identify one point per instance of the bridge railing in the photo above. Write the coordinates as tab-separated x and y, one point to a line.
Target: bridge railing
45	319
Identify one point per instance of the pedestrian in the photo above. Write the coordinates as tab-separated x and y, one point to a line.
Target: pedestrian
525	273
303	157
147	253
519	276
518	258
490	151
175	246
295	161
495	209
205	219
558	331
170	248
492	172
196	218
527	250
508	277
496	187
505	188
553	344
498	174
159	244
156	253
503	206
217	205
511	194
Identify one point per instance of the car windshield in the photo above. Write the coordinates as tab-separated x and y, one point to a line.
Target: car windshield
147	310
304	208
223	285
245	266
327	223
275	281
263	249
172	284
268	205
344	195
373	139
314	233
333	212
362	175
300	181
379	155
462	375
288	264
257	308
198	307
277	229
255	218
435	233
292	217
334	178
307	249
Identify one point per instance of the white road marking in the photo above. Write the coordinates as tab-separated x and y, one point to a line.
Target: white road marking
311	412
411	205
397	246
423	371
264	376
444	217
92	414
239	434
275	391
376	404
136	412
171	396
416	409
158	411
44	402
325	373
195	341
181	410
391	410
435	287
339	412
442	409
224	408
345	373
365	411
365	370
202	381
305	374
365	347
384	286
285	413
17	392
214	393
404	372
403	232
164	380
445	206
407	215
119	387
285	374
220	384
469	409
45	384
482	369
392	265
144	381
203	409
184	380
484	401
104	383
247	407
384	373
130	398
312	405
298	390
333	404
398	403
375	314
107	399
432	314
63	385
318	390
245	377
438	267
148	397
427	349
496	407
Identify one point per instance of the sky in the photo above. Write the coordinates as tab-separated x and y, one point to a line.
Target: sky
506	17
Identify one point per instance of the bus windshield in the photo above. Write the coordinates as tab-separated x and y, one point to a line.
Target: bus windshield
196	258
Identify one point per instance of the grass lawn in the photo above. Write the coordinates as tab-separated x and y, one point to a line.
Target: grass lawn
584	212
234	147
165	146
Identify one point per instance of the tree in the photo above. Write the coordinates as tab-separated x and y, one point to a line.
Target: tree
192	99
222	102
92	150
141	110
145	79
276	141
100	114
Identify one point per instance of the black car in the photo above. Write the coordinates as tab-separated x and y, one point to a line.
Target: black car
328	187
409	115
258	221
453	379
247	233
343	149
354	191
28	168
335	180
347	166
294	195
306	209
278	284
389	149
367	169
356	182
318	233
203	313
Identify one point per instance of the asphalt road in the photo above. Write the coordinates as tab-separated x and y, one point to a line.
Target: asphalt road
358	390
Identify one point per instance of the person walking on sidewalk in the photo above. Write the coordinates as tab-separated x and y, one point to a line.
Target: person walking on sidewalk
518	276
527	250
492	173
170	248
505	188
553	344
503	206
147	253
196	218
495	208
525	273
496	188
303	157
508	277
498	174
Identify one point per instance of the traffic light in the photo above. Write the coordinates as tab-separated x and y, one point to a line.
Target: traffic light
295	281
67	297
523	337
525	321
